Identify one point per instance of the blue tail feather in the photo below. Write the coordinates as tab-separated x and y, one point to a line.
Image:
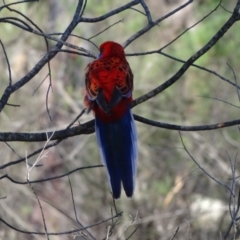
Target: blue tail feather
117	142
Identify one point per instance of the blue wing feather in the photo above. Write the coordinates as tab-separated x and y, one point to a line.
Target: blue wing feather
117	142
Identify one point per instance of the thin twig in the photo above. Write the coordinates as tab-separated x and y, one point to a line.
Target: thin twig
8	64
202	169
49	178
47	96
175	234
144	14
104	30
13	105
146	9
235	80
80	37
220	100
40	206
182	61
15	3
58	233
187	29
12	149
132	233
40	85
75	212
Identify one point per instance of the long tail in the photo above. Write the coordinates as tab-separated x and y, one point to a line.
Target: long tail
118	147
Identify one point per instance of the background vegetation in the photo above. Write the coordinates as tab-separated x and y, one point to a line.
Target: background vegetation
174	197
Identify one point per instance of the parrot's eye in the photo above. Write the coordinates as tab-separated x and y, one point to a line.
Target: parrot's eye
100	54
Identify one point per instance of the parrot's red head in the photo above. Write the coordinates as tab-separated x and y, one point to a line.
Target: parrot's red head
111	49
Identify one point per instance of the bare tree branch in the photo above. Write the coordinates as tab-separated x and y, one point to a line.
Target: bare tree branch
235	17
59	233
47	57
88	128
49	178
153	24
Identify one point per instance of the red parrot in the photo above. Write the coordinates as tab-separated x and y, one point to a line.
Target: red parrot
109	86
